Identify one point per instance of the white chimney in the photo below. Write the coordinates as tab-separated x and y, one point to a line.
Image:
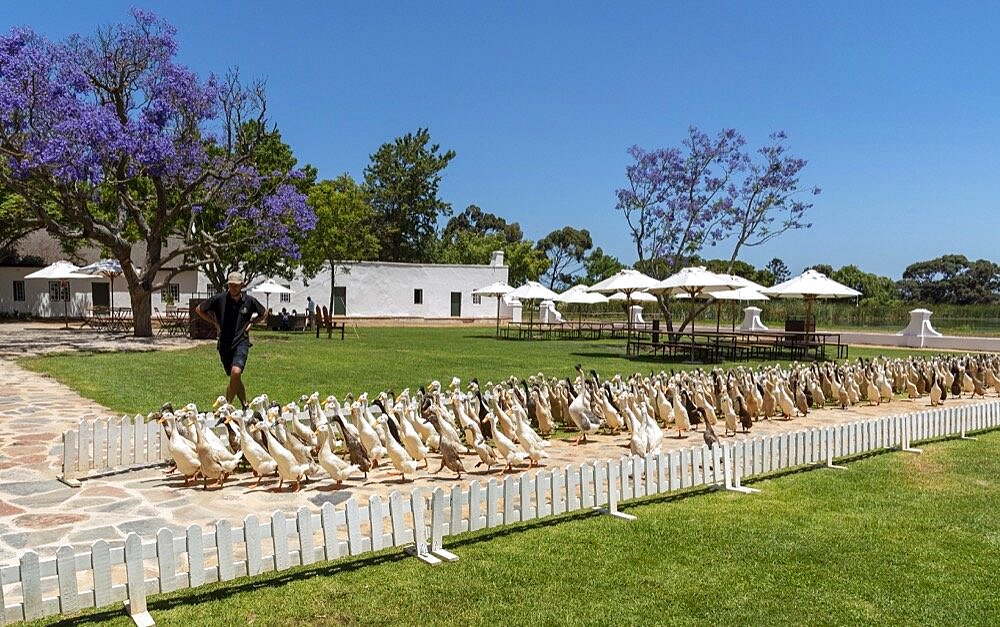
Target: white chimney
496	259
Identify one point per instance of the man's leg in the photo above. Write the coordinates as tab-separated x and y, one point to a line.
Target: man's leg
236	385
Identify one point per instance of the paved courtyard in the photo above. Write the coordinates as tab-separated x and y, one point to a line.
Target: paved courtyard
38	512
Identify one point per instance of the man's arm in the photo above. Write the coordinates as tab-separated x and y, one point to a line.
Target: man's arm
259	315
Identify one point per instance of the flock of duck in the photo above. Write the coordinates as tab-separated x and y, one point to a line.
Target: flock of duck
509	424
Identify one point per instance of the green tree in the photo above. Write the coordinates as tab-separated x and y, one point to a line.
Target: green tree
343	228
566	249
471	236
524	262
951	279
874	288
598	266
778	270
274	159
402	182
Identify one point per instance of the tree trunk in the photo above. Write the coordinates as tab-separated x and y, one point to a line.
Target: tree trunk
142	310
333	282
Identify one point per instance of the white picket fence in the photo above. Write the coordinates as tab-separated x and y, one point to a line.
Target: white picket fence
70	581
108	444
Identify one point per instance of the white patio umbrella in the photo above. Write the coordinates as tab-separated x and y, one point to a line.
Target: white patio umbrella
269	287
811	286
627	281
107	268
580	295
61	271
498	289
741	294
635	297
532	290
695	282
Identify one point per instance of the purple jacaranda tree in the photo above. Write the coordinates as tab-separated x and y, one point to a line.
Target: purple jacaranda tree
707	192
110	142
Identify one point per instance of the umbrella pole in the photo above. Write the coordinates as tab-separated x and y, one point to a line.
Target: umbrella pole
498	316
112	295
66	306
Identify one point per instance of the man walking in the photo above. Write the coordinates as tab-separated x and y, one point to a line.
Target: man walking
232	314
310	311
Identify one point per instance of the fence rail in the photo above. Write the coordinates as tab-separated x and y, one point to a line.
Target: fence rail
71	581
108	444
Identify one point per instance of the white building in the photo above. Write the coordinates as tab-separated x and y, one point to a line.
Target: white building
361	289
376	289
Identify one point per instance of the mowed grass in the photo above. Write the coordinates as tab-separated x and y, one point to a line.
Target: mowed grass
372	359
896	539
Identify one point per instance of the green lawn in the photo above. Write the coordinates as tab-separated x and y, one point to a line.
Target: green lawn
897	539
286	365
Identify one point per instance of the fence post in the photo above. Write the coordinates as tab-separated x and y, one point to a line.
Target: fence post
829	434
731	470
907	426
963	419
135	575
437	526
71	452
419	549
614	478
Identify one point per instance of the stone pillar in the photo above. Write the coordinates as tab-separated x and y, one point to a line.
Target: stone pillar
751	320
919	328
515	310
635	314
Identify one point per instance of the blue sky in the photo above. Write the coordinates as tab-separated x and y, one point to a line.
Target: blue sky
894	104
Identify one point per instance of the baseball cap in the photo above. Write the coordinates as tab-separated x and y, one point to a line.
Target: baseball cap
235	277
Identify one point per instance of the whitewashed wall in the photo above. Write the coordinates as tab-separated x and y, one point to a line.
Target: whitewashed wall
37	301
385	290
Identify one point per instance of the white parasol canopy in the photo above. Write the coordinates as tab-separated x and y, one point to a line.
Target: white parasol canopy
810	286
635	297
498	289
580	295
626	280
742	293
695	281
532	290
61	271
269	287
58	271
107	268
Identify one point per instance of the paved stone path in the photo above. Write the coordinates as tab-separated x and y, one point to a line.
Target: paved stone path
40	513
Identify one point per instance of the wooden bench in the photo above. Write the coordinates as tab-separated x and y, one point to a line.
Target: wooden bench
325	320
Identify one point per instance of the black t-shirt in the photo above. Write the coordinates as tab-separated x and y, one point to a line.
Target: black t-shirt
233	316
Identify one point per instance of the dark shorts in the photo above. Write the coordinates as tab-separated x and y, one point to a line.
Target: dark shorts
235	356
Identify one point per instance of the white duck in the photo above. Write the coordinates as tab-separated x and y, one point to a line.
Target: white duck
412	442
369	437
654	434
401	460
338	469
533	444
583	418
289	469
181	450
216	460
258	457
508	450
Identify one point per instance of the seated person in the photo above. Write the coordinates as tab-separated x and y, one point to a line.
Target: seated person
285	322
